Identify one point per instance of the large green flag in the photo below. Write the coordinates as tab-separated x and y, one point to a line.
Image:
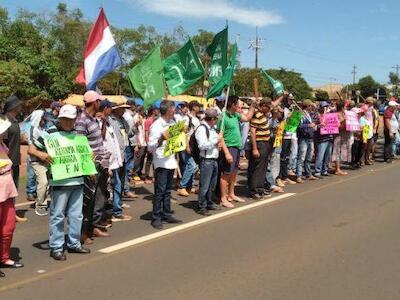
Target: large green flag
147	78
218	52
182	69
276	84
226	78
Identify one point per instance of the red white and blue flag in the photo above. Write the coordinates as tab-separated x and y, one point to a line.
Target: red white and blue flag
101	55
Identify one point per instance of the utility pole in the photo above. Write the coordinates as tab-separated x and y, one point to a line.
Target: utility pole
354	73
256	45
397	67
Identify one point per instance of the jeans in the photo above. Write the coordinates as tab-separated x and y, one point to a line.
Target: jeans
285	154
128	167
31	180
40	171
138	161
273	168
189	168
395	144
293	155
258	168
117	191
208	182
324	152
304	156
65	201
162	193
388	154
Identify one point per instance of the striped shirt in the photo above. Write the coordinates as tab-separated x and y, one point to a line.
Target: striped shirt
260	123
89	126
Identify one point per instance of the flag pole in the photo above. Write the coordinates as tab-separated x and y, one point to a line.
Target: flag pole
224	109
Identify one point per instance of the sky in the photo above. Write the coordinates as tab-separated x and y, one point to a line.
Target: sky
320	39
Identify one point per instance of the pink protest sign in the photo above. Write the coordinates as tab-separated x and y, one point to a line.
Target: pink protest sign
352	123
331	124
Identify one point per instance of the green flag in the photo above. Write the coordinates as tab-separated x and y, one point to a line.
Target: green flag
182	69
147	78
276	84
226	78
218	52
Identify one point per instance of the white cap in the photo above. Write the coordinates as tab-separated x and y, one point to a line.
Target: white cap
4	124
393	103
67	111
356	110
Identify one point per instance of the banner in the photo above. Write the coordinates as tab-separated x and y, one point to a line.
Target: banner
352	123
332	124
177	139
279	135
182	69
147	78
71	154
293	122
218	52
226	78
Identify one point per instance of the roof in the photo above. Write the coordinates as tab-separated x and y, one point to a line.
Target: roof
331	89
77	100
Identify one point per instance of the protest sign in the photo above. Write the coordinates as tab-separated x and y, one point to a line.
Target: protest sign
365	133
71	154
352	123
331	124
177	139
293	122
279	135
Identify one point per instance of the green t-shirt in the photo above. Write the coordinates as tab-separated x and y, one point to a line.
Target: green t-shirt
232	135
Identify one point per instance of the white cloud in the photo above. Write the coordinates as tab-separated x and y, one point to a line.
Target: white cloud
204	9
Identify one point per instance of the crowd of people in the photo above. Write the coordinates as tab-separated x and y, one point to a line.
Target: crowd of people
128	145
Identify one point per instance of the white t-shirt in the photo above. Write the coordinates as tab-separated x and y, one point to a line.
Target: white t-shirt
159	160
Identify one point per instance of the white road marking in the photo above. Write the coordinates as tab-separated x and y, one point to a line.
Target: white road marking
198	222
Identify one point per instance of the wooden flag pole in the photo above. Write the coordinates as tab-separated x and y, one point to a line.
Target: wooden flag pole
224	109
256	92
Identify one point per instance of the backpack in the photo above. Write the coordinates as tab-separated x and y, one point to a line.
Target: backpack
194	146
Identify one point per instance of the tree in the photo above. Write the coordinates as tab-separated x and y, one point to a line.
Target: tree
321	95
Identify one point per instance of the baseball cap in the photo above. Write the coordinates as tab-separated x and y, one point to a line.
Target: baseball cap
68	111
92	96
324	104
220	98
106	104
393	103
211	113
356	110
56	105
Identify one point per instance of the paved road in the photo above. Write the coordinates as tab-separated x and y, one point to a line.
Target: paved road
337	238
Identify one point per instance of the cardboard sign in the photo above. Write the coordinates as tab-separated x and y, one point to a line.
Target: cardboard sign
177	139
352	123
279	135
71	154
293	121
365	133
332	124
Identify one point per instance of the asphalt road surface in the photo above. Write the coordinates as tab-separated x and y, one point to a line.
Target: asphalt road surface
337	238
